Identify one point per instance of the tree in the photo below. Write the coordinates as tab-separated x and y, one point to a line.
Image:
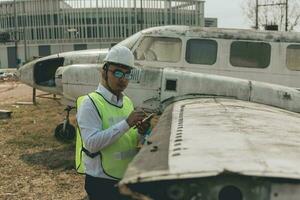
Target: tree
273	14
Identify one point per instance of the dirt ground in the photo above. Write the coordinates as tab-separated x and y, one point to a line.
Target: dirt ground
34	165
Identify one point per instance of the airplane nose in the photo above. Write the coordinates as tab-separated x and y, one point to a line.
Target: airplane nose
18	73
25	73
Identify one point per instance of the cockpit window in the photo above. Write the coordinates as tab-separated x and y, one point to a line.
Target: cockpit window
130	42
250	54
293	57
162	49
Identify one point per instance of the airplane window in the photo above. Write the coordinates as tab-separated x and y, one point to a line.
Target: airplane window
200	51
160	49
250	54
293	57
44	71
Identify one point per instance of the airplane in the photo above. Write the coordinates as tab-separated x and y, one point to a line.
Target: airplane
266	56
218	137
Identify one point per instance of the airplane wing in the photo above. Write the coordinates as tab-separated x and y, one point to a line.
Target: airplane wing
218	137
210	147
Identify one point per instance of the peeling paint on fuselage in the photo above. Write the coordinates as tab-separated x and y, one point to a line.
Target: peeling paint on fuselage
222	33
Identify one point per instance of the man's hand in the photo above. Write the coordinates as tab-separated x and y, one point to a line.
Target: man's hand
143	127
135	118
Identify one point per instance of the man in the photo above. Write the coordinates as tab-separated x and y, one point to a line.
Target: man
107	136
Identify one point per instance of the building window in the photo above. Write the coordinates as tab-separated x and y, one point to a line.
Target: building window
44	50
293	57
78	47
201	51
250	54
162	49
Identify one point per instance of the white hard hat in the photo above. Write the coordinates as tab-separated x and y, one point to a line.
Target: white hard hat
120	55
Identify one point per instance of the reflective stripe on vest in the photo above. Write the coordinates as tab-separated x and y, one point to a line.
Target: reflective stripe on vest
116	157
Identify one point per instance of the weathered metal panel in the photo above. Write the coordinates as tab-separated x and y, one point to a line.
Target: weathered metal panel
225	33
153	157
285	192
84	56
275	95
236	136
144	89
195	84
203	84
210	136
79	80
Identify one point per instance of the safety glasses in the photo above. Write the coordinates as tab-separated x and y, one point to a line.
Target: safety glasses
120	74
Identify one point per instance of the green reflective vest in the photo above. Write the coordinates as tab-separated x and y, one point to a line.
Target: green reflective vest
115	157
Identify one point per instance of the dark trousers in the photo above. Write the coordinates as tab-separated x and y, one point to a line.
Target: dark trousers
102	189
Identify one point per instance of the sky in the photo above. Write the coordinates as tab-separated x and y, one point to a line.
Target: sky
228	12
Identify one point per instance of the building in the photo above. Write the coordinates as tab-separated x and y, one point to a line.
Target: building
44	27
211	22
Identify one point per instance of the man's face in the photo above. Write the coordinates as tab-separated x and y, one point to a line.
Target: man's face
117	85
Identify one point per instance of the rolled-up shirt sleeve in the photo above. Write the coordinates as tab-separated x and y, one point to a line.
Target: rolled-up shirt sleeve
90	124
